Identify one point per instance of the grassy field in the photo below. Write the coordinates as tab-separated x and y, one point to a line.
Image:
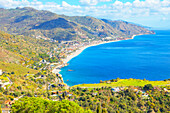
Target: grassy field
125	82
17	69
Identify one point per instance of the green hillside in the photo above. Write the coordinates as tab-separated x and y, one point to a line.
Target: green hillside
8	56
22	49
31	22
17	69
20	58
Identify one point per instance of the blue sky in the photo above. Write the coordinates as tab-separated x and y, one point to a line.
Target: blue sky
152	13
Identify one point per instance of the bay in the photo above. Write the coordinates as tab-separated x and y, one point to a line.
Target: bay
145	56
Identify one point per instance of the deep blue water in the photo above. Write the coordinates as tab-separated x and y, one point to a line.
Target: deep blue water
146	56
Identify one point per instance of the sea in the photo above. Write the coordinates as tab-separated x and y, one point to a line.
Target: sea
144	57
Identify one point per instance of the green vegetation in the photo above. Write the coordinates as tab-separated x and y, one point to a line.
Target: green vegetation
8	56
40	105
16	69
26	51
27	85
123	100
18	54
124	82
148	87
31	22
100	100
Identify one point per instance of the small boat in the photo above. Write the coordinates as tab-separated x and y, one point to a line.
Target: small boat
70	70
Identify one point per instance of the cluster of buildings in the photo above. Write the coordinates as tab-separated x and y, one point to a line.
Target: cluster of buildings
136	90
5	84
145	95
71	46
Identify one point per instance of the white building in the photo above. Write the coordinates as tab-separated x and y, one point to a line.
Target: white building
1	72
115	89
108	38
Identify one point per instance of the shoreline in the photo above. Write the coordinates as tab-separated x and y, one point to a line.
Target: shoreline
57	69
80	50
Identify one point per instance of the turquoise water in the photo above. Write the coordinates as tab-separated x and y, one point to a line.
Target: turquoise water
146	56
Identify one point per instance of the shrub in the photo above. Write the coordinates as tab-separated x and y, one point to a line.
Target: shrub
148	87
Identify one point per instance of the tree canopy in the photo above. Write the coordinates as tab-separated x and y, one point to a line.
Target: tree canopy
40	105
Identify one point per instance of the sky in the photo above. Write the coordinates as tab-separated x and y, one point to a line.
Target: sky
151	13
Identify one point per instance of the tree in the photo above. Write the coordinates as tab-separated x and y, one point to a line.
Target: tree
148	87
0	109
104	110
98	109
40	105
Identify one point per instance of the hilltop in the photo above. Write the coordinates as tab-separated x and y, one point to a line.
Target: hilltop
39	23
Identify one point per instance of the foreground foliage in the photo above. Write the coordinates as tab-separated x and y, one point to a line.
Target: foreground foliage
40	105
147	99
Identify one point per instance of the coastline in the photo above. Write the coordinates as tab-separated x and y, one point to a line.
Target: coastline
57	69
80	50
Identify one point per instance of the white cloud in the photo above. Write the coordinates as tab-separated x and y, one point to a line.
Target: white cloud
105	0
117	5
138	4
88	2
166	3
92	2
128	4
65	4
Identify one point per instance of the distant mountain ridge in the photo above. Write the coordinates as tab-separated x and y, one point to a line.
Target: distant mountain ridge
31	22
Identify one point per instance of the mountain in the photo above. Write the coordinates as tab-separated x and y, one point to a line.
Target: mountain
127	28
39	23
